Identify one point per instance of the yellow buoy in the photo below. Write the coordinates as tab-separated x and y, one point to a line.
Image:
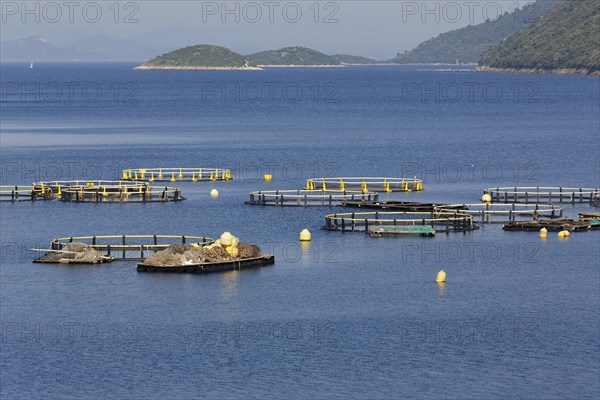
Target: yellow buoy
214	193
486	198
441	276
564	234
543	233
268	177
305	235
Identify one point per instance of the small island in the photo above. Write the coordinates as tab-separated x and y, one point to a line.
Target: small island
293	57
200	57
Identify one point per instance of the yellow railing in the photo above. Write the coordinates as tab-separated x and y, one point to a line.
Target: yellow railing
177	174
366	184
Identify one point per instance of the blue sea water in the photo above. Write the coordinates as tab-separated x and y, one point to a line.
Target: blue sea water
346	316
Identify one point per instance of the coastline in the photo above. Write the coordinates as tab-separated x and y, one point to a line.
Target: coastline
299	66
539	71
192	68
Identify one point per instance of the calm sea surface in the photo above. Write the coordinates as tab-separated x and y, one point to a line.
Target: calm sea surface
347	316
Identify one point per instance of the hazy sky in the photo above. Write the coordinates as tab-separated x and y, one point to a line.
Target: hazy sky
371	28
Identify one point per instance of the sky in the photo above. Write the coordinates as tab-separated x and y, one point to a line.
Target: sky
377	29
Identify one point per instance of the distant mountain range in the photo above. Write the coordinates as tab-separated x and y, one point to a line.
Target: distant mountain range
93	48
466	45
565	40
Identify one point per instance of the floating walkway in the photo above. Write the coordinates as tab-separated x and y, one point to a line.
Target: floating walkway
130	247
397	205
307	198
24	193
121	194
421	230
366	184
177	174
502	213
539	194
366	221
556	224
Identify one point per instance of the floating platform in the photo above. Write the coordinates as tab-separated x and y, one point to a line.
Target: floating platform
131	247
307	198
539	194
589	216
24	193
422	230
177	174
366	221
500	213
366	184
556	224
235	265
396	205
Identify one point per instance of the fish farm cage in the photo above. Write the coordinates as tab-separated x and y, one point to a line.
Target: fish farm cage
539	194
177	174
308	198
500	213
366	184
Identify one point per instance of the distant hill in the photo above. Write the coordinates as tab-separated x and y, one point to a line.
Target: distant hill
348	59
202	56
567	38
293	56
468	44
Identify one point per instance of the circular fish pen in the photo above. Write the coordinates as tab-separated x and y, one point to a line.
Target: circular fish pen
500	213
131	247
121	194
25	193
396	222
55	189
539	194
177	174
366	184
308	198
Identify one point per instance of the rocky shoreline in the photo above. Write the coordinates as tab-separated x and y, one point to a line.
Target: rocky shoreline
194	68
562	71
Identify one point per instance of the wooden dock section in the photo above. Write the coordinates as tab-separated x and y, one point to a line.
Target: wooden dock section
177	174
589	216
131	247
308	198
364	221
366	184
500	213
539	194
24	193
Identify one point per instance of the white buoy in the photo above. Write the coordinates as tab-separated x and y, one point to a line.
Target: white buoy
305	235
486	198
214	193
441	276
